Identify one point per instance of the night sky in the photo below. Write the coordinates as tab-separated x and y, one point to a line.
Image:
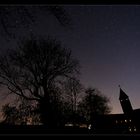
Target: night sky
106	41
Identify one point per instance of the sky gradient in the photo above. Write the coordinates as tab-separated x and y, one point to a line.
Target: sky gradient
106	41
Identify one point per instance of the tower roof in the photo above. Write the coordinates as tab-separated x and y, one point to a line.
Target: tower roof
122	95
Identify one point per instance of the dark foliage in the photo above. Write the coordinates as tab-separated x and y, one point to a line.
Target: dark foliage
94	103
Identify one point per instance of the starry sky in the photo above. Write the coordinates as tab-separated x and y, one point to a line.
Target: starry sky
106	41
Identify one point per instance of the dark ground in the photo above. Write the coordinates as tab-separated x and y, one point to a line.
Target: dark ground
23	129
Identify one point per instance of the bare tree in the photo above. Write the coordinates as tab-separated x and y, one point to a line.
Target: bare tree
73	88
72	92
35	70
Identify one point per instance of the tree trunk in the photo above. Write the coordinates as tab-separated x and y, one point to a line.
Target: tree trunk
48	114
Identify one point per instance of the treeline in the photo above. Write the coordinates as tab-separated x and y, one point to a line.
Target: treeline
45	78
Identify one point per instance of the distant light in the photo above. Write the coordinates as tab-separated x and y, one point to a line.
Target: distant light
89	127
116	121
126	121
83	126
130	129
69	124
129	120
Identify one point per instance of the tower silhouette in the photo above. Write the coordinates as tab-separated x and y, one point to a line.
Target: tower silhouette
125	102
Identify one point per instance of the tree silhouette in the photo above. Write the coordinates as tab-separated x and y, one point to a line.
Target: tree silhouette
34	71
72	92
13	17
9	114
93	103
21	114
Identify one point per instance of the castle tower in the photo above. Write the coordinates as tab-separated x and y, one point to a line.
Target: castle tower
125	102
